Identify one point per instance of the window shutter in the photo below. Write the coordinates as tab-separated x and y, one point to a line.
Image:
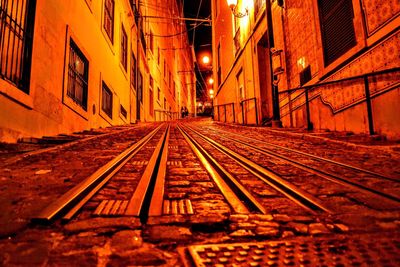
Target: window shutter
337	28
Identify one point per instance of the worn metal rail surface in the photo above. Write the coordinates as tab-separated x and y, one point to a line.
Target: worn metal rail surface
371	195
273	180
147	196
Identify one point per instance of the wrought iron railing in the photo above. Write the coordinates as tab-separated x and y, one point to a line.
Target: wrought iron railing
247	102
341	94
224	106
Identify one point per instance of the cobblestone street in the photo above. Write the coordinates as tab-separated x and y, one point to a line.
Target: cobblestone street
268	197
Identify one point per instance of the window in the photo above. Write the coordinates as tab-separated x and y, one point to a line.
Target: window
78	73
133	71
124	48
107	100
16	24
109	18
151	43
173	88
151	102
165	104
158	56
123	111
158	94
338	36
140	88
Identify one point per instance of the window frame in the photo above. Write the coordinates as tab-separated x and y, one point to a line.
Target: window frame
83	103
124	48
109	15
106	89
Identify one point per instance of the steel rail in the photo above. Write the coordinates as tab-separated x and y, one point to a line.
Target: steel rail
324	174
144	196
297	195
78	194
235	194
313	156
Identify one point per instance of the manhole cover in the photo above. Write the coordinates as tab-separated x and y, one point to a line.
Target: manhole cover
322	252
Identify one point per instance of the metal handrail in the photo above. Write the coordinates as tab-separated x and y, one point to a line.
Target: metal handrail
225	105
255	106
363	77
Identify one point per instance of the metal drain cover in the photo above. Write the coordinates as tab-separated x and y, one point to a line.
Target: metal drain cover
343	251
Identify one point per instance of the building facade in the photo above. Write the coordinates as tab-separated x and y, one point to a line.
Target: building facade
330	64
68	66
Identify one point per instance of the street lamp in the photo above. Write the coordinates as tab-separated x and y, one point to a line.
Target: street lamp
211	81
233	4
206	59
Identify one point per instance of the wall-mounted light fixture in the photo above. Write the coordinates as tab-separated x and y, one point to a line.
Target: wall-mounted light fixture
277	64
233	4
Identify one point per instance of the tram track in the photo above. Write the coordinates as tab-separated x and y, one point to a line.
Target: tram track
69	204
370	196
290	191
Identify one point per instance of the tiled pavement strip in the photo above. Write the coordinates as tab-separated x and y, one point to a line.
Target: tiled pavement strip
244	240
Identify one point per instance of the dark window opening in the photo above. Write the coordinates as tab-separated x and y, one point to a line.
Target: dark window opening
107	100
133	71
305	75
109	18
338	35
123	111
124	48
140	88
78	73
16	38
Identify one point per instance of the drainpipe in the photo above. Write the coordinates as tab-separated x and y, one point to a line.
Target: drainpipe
276	117
138	29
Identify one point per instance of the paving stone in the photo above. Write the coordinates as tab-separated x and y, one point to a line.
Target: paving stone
300	228
303	219
239	218
267	224
168	219
261	217
176	195
126	240
342	227
179	183
242	233
318	228
209	220
145	256
266	231
28	254
96	223
287	234
168	233
282	218
388	225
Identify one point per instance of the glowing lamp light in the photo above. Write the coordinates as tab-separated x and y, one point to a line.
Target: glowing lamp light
206	59
211	81
232	5
211	91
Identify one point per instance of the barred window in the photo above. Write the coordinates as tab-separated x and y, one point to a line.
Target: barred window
107	100
17	19
109	18
338	36
124	48
78	73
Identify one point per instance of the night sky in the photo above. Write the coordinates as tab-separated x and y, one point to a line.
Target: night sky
200	36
